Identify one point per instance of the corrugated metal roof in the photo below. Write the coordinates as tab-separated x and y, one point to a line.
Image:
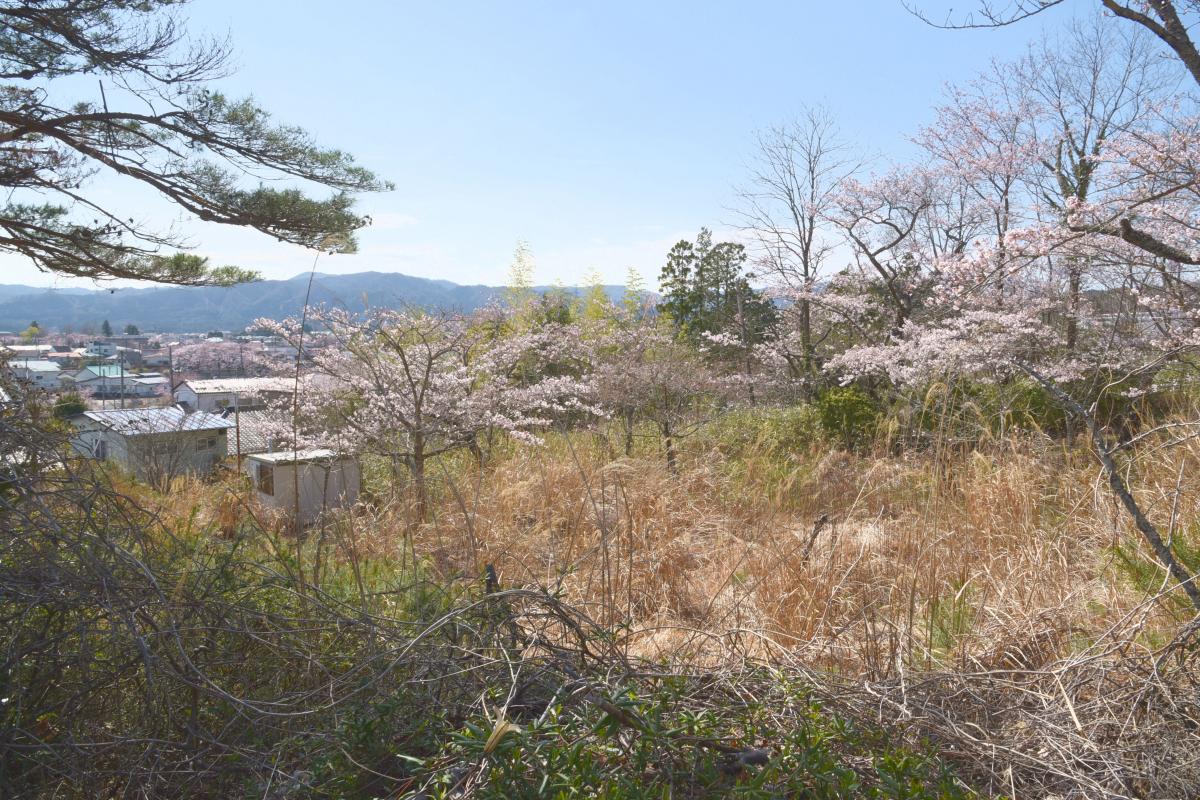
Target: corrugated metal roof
253	430
232	385
106	371
135	421
35	365
296	456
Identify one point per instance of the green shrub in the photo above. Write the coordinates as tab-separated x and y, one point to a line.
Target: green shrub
69	405
775	431
848	415
1145	573
785	745
1021	404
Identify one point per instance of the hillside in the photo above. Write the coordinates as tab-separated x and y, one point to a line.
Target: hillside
190	309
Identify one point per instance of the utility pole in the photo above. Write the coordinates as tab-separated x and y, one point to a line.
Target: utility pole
237	430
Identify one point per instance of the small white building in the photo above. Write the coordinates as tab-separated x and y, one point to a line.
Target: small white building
113	380
155	444
27	350
38	373
98	349
325	481
220	393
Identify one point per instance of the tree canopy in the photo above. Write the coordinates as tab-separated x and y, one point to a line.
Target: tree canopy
706	290
152	118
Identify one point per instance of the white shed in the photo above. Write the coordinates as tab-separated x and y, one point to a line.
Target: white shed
326	480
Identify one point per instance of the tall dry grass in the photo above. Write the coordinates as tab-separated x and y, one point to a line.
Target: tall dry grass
997	557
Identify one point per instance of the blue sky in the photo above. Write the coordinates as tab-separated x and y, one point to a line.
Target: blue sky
599	132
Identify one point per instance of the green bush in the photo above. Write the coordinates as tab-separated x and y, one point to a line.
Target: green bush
848	415
775	431
778	743
1022	404
1145	573
69	405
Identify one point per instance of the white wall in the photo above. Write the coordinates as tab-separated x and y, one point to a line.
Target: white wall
39	379
155	456
322	488
209	401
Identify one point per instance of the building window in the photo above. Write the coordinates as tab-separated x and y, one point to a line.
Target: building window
266	480
102	450
208	443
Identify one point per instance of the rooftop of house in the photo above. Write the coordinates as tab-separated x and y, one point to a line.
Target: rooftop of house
233	385
168	419
115	371
297	456
35	365
106	370
254	429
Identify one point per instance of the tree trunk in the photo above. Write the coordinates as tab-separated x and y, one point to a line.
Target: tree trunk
627	423
1074	286
806	345
1144	526
669	446
416	464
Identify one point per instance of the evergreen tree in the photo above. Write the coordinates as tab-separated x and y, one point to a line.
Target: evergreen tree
706	289
152	118
106	328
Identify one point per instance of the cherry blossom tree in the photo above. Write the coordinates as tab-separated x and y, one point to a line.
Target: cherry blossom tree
412	386
224	359
644	372
880	220
798	171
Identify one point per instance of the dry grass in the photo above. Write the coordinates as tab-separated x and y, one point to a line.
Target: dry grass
976	559
968	598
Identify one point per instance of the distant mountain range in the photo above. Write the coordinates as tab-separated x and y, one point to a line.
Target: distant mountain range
191	309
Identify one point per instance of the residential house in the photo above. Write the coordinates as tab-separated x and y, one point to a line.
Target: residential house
66	356
135	341
303	485
98	349
157	358
155	444
26	350
38	373
114	381
220	393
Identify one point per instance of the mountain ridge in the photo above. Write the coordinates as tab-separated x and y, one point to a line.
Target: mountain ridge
180	309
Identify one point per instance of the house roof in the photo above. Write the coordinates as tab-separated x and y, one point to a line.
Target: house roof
253	432
234	385
105	371
297	456
35	365
169	419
